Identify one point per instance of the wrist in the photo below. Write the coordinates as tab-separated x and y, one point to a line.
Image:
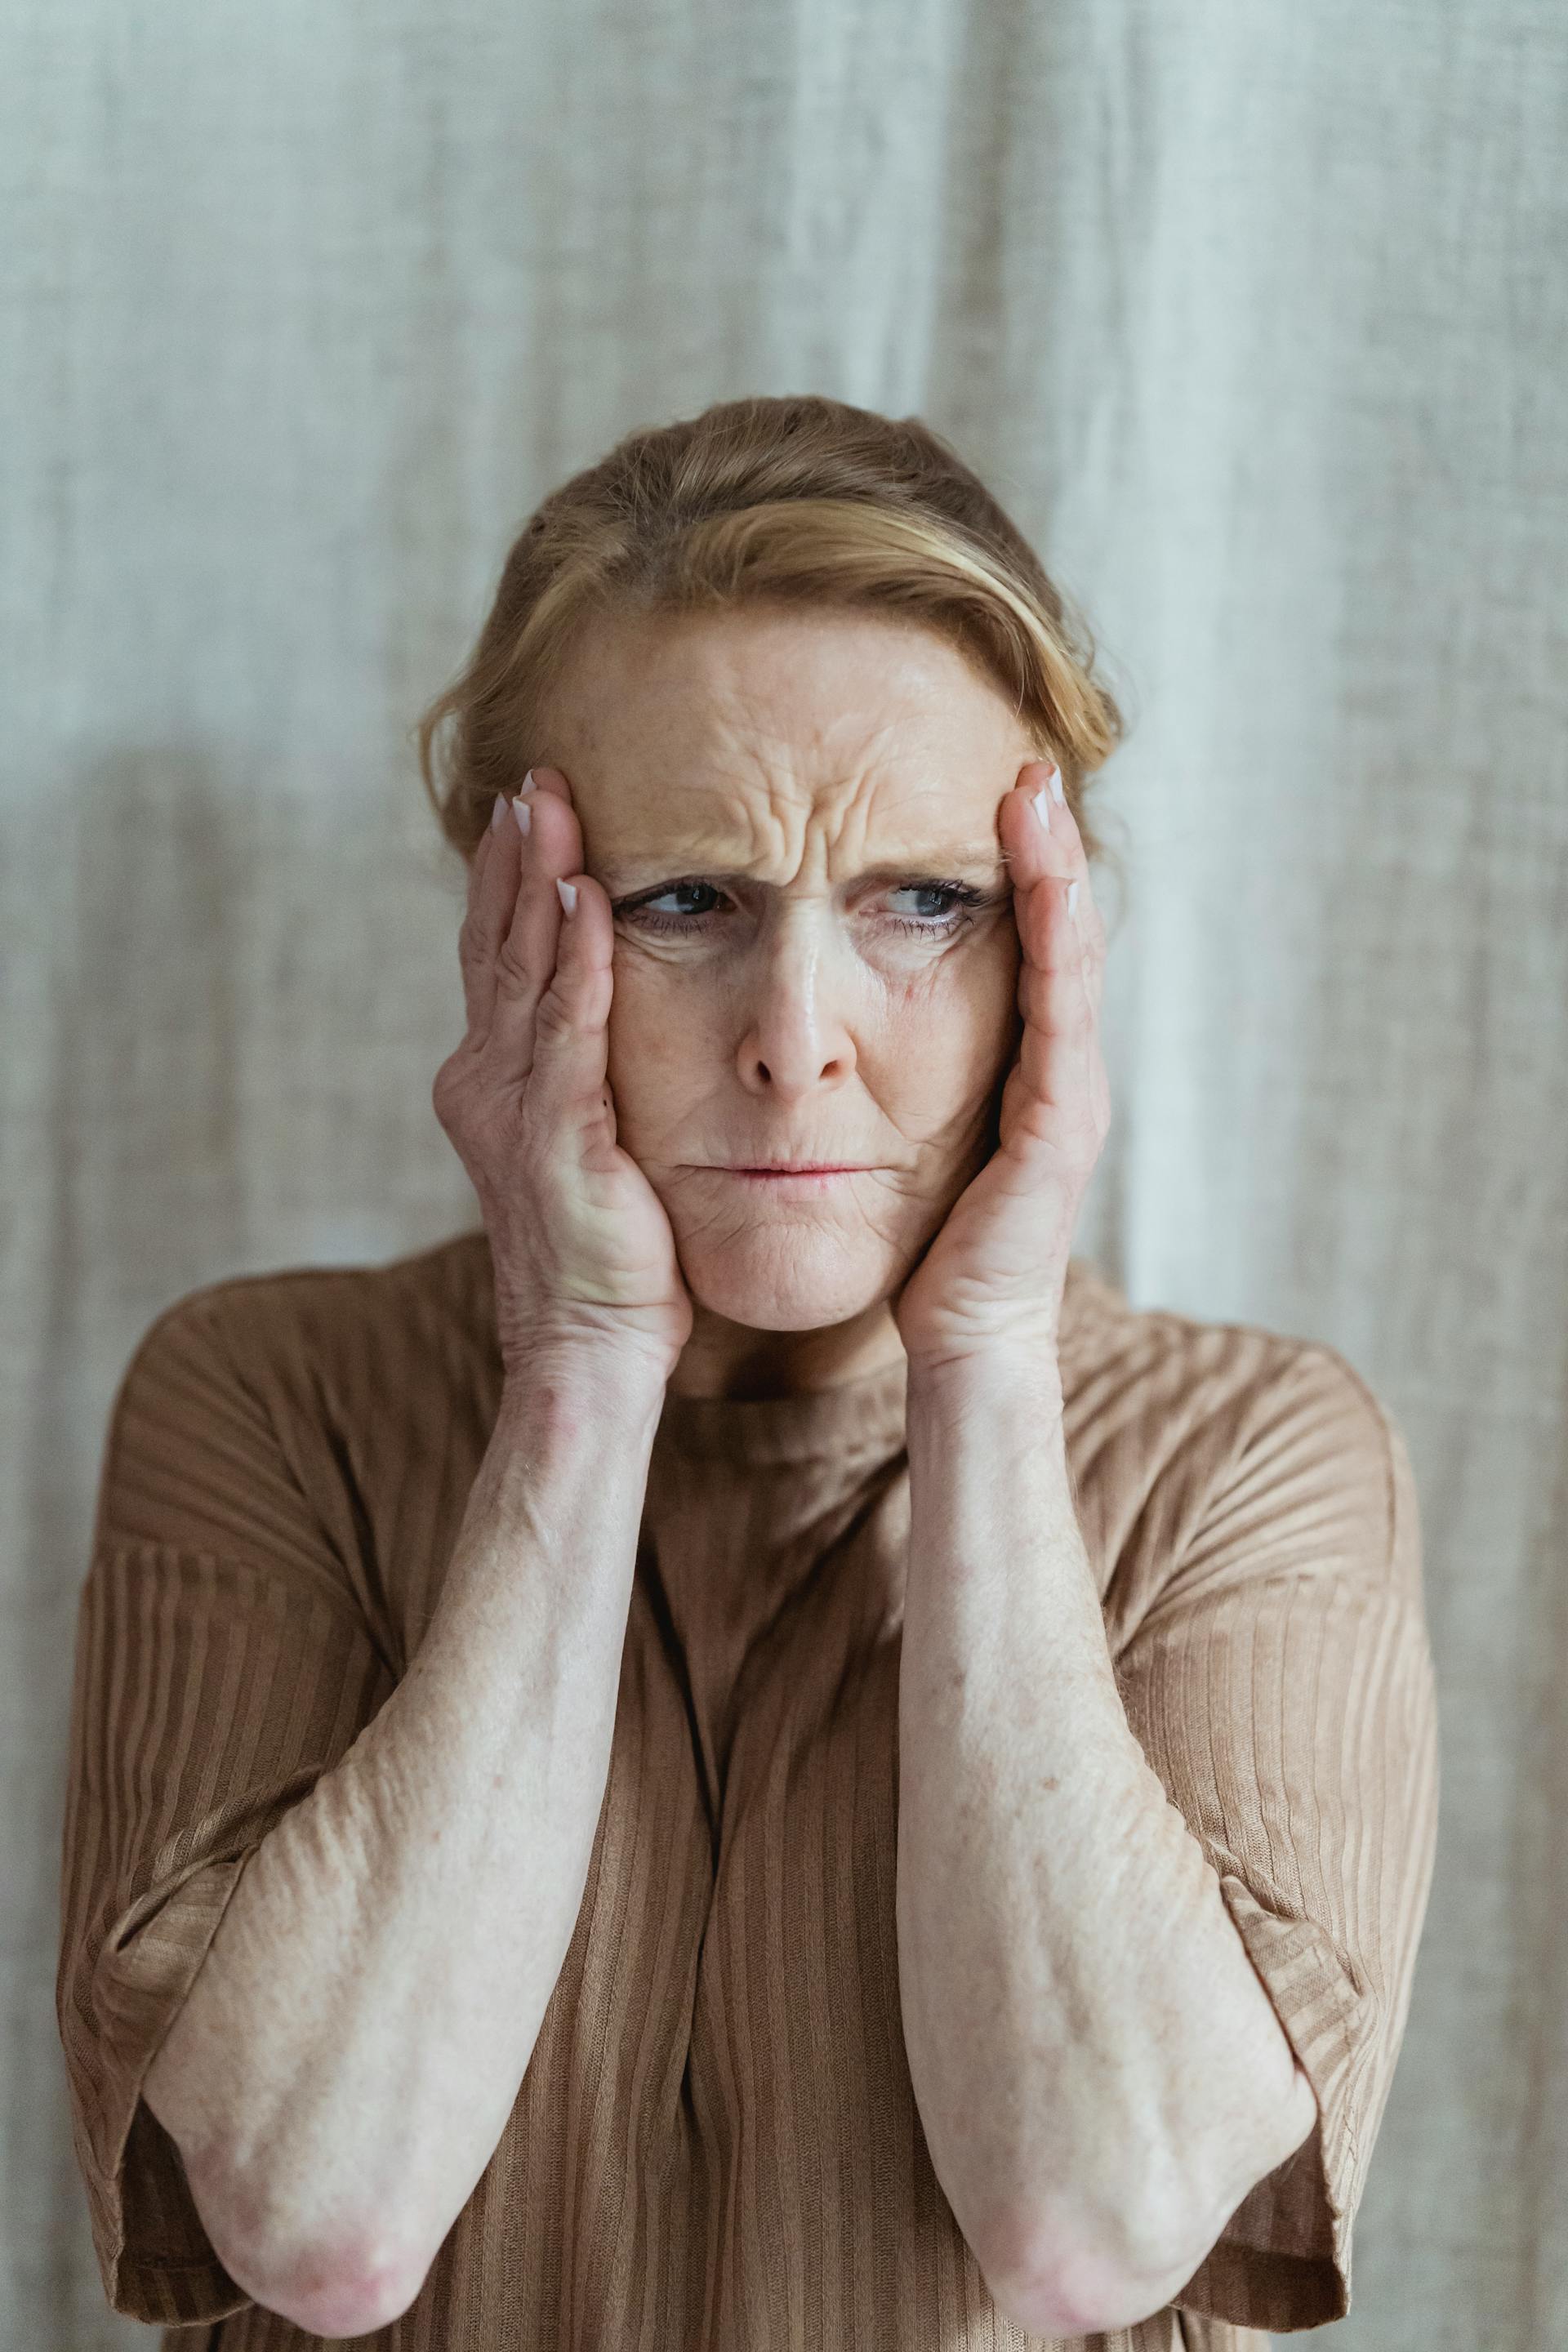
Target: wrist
576	1381
1004	1375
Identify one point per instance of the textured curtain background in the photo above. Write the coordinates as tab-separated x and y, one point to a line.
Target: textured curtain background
1255	317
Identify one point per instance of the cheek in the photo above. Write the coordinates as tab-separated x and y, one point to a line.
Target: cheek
962	1018
939	1052
658	1046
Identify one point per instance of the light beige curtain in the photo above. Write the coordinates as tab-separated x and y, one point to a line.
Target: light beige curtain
1255	318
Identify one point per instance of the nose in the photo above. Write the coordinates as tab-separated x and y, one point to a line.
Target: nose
795	1038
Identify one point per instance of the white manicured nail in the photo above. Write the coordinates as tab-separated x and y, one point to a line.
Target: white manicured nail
1041	809
527	784
524	816
498	814
1057	792
568	891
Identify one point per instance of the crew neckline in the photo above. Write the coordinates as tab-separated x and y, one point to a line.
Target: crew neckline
861	1416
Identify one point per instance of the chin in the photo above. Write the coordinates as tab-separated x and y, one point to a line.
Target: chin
790	1280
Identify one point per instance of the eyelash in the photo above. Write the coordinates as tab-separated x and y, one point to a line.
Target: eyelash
967	900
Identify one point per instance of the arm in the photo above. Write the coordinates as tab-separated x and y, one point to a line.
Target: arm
1100	2074
346	2060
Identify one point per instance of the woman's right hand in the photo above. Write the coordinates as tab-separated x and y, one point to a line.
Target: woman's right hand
583	1251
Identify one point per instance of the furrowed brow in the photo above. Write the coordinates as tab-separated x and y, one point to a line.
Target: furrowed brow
977	861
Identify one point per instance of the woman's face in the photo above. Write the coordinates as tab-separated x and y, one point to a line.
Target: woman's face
793	815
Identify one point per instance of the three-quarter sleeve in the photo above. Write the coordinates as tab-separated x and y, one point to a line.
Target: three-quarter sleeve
222	1664
1282	1687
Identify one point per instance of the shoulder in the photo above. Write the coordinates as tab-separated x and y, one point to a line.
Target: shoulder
300	1330
307	1396
1190	1430
316	1427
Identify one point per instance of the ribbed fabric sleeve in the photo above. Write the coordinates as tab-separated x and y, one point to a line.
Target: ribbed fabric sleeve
222	1664
1282	1687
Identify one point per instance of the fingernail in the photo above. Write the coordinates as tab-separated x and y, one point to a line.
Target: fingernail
1057	792
527	784
1072	900
568	891
1041	811
524	816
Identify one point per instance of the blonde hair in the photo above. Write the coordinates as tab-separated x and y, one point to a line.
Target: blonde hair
797	499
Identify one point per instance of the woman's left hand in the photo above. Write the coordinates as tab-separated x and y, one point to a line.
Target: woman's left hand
991	1280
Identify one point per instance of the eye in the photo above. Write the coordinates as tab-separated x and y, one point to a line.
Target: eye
643	912
961	901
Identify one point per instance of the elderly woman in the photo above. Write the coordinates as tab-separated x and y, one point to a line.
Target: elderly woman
749	1756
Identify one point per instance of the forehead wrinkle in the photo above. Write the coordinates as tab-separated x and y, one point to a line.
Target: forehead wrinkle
984	863
811	769
761	776
730	771
722	850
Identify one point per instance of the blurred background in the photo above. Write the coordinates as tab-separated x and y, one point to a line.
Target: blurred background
1254	319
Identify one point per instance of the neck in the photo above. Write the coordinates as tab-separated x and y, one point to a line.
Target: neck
734	1359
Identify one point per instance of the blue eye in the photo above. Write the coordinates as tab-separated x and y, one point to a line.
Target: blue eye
959	893
961	901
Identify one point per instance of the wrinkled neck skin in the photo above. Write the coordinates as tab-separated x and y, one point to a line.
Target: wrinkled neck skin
794	813
734	1359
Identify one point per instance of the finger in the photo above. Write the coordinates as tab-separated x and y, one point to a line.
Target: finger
494	878
1059	1047
485	916
1058	1016
568	1087
1055	851
1067	858
549	848
550	780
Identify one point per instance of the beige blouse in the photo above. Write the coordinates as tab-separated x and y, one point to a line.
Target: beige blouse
715	2147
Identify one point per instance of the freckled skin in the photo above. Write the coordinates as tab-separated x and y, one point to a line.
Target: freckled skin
795	1018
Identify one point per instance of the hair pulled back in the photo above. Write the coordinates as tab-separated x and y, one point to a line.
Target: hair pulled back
795	499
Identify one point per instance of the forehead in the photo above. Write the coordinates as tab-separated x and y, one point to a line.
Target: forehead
729	735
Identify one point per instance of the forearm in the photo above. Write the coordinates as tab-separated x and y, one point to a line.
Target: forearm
347	2058
1094	2061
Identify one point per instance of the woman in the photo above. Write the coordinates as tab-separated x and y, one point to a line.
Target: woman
749	1758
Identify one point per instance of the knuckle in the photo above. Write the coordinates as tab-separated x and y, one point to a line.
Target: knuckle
449	1092
553	1020
512	973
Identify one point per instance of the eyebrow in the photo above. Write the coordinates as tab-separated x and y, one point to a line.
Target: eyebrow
983	860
